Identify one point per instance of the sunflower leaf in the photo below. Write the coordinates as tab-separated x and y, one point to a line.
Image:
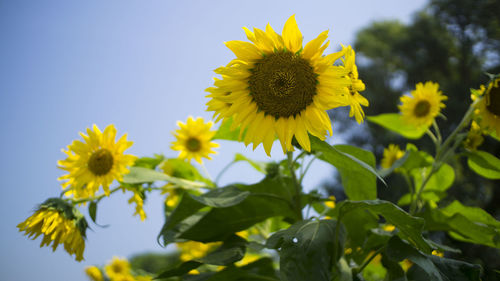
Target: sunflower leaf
484	164
394	123
355	165
145	175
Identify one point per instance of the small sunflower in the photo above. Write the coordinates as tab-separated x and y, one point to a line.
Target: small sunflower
355	99
424	105
277	87
94	273
117	268
487	111
193	139
97	161
59	223
391	154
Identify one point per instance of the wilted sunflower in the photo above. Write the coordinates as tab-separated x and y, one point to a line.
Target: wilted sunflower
97	161
276	87
391	154
488	108
193	139
59	223
355	99
424	105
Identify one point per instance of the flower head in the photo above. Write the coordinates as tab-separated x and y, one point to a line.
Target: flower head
487	113
193	139
95	162
355	99
277	87
94	273
423	106
59	223
117	268
474	137
391	154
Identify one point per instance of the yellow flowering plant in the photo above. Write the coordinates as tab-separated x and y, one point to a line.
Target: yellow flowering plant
279	88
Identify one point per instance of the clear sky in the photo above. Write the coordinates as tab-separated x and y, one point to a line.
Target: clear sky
141	65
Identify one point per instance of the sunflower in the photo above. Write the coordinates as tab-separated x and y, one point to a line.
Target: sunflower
59	223
355	100
95	162
118	267
474	136
94	273
391	154
424	105
193	139
276	87
487	111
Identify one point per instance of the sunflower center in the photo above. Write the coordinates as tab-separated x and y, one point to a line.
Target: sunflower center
100	162
422	108
493	101
193	144
282	84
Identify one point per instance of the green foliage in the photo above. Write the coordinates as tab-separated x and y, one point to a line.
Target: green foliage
394	123
308	249
139	175
484	164
356	167
433	268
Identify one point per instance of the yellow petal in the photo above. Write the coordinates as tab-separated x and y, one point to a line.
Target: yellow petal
291	35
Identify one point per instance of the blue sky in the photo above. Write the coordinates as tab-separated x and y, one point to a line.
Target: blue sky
141	65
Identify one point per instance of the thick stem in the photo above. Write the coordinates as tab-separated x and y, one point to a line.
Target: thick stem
298	188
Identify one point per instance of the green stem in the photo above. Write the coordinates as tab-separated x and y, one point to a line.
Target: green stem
298	188
96	198
444	151
222	172
367	261
306	169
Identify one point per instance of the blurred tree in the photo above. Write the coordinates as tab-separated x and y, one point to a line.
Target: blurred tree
452	42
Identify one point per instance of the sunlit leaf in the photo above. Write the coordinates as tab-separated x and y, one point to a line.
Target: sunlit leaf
484	164
394	123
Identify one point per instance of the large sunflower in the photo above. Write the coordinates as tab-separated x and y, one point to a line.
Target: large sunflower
276	87
193	139
424	105
488	108
97	161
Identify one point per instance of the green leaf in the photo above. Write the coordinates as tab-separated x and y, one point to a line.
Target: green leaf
416	158
144	175
394	122
271	197
484	164
179	168
93	211
440	180
257	165
225	133
149	162
260	270
469	224
426	195
222	197
180	270
232	250
436	268
410	227
307	249
355	165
